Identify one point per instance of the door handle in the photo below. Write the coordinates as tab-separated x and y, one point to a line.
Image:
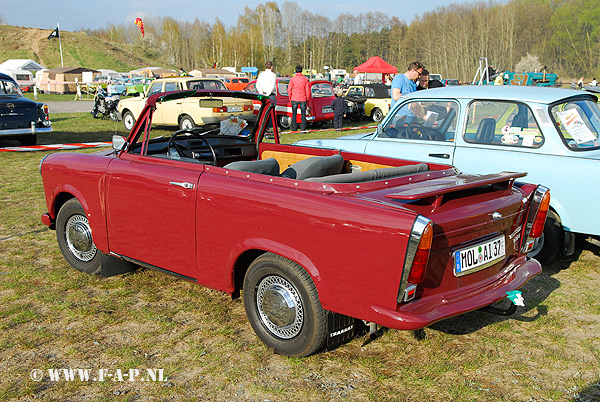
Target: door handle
444	156
184	185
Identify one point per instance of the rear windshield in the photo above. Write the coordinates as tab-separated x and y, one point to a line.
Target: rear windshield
578	123
212	84
9	88
321	90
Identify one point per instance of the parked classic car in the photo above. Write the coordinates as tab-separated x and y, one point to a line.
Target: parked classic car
288	226
318	109
185	113
21	118
136	86
236	83
377	99
447	82
550	133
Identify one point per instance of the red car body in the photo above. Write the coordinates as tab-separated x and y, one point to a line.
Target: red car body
318	108
360	245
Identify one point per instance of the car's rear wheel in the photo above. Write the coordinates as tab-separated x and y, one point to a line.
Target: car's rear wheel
74	236
377	115
548	245
187	123
282	305
128	120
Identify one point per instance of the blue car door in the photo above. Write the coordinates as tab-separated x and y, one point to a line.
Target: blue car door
418	130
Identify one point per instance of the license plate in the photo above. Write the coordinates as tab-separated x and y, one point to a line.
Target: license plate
234	109
483	255
327	109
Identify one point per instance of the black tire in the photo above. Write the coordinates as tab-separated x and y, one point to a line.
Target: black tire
282	305
28	140
377	115
285	122
74	237
187	123
128	120
549	244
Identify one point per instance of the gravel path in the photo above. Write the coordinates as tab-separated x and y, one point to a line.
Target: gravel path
70	106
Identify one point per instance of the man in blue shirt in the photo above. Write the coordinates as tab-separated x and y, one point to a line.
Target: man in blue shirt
403	84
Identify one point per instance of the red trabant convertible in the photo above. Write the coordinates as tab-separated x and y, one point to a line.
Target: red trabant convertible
316	241
318	108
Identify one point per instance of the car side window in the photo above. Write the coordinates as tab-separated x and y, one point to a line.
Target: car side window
502	123
369	92
170	86
423	120
355	91
155	88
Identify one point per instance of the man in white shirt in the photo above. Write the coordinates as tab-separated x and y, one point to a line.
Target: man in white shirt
265	84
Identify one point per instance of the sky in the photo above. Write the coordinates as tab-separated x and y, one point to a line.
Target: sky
73	15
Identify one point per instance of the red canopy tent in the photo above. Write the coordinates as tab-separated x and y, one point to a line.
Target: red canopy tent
376	64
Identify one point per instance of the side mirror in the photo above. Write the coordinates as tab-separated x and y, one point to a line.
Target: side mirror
119	143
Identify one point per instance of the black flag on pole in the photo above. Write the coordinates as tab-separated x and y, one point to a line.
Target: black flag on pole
54	34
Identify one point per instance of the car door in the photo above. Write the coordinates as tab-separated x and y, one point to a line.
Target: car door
421	130
151	209
169	111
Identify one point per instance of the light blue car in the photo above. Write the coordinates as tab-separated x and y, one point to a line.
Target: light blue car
550	133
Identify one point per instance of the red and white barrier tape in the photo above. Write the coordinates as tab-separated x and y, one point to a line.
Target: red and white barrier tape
56	147
61	147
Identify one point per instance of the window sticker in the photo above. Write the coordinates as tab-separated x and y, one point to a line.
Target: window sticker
575	126
509	139
529	136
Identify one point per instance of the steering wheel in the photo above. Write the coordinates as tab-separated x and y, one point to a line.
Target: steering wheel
179	149
417	131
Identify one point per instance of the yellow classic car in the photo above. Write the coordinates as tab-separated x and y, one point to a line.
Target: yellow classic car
378	99
186	113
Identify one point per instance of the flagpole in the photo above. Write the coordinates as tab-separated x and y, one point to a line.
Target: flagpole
60	45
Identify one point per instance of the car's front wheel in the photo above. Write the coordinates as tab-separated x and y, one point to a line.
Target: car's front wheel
377	115
74	236
128	120
282	305
285	122
548	245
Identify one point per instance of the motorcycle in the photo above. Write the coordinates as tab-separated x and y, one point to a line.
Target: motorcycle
105	105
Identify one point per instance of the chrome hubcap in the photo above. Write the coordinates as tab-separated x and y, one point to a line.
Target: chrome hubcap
280	307
79	238
186	125
129	122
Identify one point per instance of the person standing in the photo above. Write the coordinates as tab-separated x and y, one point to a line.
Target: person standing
266	82
403	84
423	82
580	83
299	92
339	110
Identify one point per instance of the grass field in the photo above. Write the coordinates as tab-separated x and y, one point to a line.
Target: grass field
52	317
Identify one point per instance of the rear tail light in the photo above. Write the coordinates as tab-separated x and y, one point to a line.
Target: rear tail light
417	255
247	107
536	218
45	109
538	224
417	271
222	109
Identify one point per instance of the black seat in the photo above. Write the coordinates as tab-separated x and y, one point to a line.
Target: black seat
521	120
485	131
315	166
265	166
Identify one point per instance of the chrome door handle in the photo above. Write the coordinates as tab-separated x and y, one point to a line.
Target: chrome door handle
444	156
184	185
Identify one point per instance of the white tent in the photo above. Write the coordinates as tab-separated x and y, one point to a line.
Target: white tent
22	64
